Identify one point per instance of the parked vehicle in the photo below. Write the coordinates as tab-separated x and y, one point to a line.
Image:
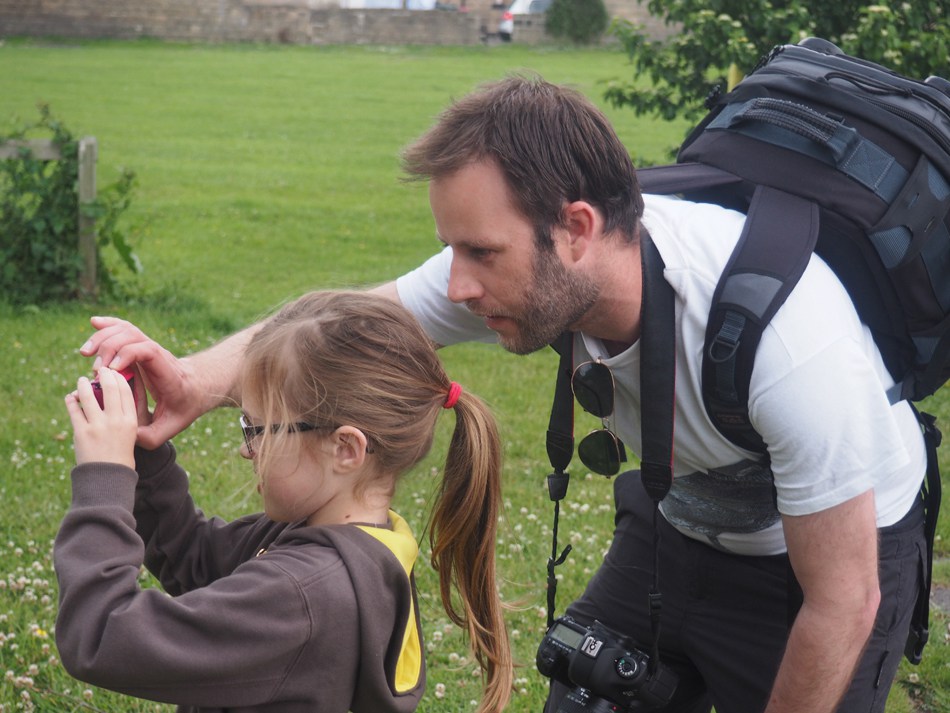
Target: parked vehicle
506	27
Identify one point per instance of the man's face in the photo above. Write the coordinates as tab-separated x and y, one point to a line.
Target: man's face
526	295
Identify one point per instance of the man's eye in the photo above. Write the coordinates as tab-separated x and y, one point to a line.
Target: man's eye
480	253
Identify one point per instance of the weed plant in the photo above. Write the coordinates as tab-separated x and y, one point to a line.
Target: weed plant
264	171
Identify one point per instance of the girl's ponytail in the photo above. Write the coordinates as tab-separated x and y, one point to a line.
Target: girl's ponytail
464	523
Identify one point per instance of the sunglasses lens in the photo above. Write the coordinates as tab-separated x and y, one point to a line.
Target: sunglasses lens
593	387
601	452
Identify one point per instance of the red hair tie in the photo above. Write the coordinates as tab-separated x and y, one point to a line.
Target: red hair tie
455	390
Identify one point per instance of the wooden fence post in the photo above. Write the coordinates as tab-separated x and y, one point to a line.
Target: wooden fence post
88	250
46	150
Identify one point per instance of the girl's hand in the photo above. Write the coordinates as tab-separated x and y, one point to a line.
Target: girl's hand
179	396
106	434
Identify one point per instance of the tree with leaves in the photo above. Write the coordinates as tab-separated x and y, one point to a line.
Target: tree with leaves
717	37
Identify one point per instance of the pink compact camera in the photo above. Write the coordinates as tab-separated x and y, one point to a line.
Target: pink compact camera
129	376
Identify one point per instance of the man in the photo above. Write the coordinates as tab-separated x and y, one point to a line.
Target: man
538	205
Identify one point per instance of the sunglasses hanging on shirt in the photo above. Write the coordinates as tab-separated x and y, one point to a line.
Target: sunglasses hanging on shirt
593	386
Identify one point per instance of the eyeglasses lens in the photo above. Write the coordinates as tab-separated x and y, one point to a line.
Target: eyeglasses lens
250	433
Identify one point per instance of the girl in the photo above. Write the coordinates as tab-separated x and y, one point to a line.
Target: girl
310	606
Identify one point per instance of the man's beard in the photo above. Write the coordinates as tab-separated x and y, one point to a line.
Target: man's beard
555	300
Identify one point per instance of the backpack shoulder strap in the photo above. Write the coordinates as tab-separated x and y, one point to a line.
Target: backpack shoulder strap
777	241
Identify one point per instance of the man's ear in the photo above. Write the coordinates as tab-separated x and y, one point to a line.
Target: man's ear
583	223
349	448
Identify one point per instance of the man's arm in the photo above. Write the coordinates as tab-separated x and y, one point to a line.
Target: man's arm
183	389
388	289
834	555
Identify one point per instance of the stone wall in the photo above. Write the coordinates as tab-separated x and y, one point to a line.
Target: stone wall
293	21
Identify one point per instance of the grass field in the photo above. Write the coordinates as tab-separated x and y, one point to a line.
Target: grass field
265	171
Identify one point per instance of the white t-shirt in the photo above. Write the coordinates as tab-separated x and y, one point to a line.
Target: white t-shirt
817	393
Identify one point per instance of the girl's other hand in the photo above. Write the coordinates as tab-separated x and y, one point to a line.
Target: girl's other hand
106	434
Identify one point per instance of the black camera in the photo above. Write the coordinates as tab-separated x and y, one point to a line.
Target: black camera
603	670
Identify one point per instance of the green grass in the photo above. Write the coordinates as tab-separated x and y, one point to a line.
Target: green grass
263	172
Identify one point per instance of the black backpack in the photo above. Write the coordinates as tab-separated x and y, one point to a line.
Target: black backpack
828	153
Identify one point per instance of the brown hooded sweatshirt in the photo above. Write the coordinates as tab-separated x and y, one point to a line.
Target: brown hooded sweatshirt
262	616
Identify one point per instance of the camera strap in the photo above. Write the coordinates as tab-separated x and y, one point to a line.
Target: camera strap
657	388
560	447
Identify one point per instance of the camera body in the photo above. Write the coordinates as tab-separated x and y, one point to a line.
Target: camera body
127	374
603	669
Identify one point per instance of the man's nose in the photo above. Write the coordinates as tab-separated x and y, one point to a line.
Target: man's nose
463	286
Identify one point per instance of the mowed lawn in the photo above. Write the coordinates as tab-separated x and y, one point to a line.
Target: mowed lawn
265	171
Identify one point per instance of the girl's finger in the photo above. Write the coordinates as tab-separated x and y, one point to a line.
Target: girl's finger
111	397
76	414
125	393
116	391
86	397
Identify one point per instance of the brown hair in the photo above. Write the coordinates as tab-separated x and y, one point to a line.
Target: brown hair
551	144
353	358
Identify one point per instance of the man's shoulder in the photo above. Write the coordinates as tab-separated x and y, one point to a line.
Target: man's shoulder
695	240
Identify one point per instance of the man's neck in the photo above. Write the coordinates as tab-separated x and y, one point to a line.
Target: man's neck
615	348
615	318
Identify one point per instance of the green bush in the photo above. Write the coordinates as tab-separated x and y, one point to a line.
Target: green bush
581	21
39	220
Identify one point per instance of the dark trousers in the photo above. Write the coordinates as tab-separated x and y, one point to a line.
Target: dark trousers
725	618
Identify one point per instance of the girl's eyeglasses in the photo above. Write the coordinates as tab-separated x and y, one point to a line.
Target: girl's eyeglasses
251	432
593	386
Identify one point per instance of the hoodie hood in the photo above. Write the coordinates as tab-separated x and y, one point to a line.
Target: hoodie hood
401	543
380	563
